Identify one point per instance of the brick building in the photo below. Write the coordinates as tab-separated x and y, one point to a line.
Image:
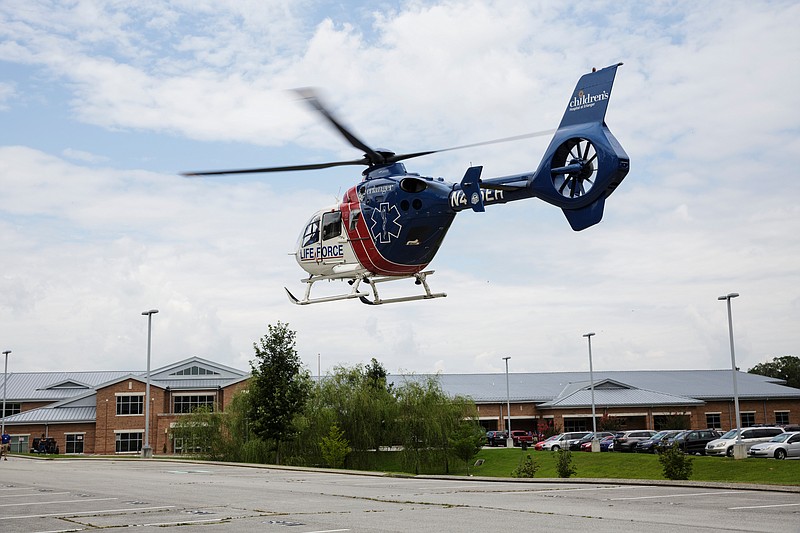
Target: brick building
637	399
103	412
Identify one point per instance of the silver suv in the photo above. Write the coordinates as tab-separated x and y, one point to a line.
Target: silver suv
750	436
625	441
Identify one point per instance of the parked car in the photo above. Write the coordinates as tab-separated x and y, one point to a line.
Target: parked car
496	438
780	446
749	437
561	441
540	445
589	437
624	441
604	442
521	437
694	440
652	444
606	445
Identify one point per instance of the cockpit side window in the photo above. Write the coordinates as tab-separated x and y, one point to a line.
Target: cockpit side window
331	225
311	233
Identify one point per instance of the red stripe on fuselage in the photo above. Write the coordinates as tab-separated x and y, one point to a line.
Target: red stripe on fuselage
364	247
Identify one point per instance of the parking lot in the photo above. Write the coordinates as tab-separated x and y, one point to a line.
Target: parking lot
87	494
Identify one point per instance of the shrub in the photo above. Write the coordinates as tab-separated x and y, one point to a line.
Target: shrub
674	463
526	468
564	465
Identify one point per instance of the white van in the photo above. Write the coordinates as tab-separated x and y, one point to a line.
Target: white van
750	436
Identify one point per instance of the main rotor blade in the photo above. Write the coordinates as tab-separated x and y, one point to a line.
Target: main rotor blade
401	157
310	166
310	97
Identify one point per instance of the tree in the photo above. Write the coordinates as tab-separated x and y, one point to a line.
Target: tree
279	386
335	447
200	433
786	368
426	419
467	439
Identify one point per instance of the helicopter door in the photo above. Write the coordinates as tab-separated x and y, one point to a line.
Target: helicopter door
332	241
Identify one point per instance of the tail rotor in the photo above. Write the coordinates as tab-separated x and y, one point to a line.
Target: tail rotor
574	167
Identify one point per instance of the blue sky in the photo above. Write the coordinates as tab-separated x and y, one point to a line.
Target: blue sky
103	104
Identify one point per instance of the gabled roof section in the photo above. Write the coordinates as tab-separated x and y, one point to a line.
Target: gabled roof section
196	368
619	397
67	384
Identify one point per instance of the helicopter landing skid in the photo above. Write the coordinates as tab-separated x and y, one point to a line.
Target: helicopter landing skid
368	298
419	280
354	293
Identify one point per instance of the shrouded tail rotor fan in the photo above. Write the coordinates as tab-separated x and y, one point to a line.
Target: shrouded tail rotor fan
574	167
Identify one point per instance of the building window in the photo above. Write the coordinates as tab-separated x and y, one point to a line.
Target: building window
781	418
11	409
188	404
714	420
577	424
748	419
195	371
128	442
73	442
130	405
19	443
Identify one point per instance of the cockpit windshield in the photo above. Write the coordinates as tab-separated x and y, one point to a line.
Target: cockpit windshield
310	233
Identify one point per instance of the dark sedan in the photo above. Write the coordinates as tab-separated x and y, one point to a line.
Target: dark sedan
658	440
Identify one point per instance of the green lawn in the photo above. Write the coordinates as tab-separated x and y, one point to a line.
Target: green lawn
500	463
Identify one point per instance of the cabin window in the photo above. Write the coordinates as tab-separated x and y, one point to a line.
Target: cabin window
311	234
331	225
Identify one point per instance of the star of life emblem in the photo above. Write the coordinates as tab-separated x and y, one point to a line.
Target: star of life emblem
384	223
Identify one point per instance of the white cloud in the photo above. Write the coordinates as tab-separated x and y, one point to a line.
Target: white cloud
702	105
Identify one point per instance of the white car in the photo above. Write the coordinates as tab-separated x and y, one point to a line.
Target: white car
780	447
750	436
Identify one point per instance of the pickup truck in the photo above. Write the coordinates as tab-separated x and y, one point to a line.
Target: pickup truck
520	436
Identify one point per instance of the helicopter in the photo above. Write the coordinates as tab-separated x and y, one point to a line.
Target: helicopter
390	225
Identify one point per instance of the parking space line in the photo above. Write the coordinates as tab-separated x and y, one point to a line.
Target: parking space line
765	506
27	495
79	513
677	495
58	501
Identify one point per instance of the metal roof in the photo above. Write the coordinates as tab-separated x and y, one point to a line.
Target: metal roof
53	415
57	386
547	386
619	398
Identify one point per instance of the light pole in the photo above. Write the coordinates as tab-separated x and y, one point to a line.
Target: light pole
5	380
509	440
147	451
738	448
591	387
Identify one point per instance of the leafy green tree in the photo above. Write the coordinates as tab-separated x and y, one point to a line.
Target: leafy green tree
335	447
466	440
200	433
279	387
786	368
426	419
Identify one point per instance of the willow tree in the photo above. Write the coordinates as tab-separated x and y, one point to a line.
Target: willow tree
427	419
355	399
279	387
